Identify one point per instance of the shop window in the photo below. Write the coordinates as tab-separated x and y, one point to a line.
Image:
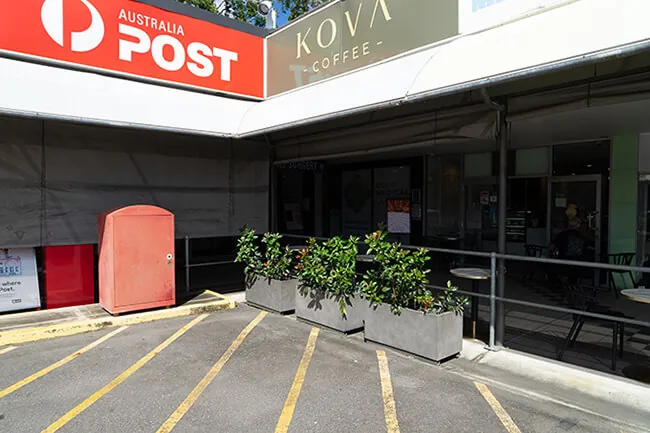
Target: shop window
581	158
443	194
390	183
478	165
529	162
527	199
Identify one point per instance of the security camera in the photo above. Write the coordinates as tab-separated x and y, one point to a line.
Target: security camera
264	7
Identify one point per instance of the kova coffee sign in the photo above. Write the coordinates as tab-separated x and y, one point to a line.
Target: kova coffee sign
135	39
347	35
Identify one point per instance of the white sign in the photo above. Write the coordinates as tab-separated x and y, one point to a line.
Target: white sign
399	222
476	15
399	216
18	280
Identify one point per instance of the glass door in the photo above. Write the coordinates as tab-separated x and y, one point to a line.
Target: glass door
481	222
576	203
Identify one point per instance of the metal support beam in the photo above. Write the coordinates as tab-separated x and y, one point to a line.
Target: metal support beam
502	140
187	263
272	220
493	294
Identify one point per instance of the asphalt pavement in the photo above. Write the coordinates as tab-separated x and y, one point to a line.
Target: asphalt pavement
247	371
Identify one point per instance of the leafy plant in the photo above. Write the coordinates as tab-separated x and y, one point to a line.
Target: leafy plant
248	253
399	277
277	263
445	301
330	267
274	264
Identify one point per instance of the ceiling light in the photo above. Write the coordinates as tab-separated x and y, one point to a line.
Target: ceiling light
589	165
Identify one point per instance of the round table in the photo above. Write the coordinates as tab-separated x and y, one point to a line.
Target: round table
637	372
638	295
476	275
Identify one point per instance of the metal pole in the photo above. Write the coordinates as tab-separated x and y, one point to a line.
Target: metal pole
493	293
187	263
503	178
273	186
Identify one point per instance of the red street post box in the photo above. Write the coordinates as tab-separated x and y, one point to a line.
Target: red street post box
136	259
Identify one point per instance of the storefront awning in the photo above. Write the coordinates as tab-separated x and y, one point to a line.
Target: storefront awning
577	33
34	90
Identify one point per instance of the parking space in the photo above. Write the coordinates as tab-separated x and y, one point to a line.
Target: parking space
248	371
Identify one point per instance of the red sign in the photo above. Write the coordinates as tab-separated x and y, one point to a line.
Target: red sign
125	36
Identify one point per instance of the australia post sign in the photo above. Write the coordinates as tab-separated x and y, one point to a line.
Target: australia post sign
133	38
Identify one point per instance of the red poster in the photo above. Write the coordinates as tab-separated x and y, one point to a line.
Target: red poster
129	37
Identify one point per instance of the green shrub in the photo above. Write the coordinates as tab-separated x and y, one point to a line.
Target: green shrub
445	301
277	260
274	264
329	266
399	279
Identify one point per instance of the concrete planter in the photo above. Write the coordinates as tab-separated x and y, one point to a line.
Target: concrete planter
274	295
319	309
432	336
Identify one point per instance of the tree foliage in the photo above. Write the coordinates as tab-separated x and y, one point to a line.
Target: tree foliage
296	8
207	5
246	10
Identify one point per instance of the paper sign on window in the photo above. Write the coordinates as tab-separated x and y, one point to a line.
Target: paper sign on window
399	216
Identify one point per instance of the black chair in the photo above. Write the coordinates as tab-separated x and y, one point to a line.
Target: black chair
622	259
583	298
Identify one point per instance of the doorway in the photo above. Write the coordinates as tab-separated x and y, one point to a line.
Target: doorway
579	197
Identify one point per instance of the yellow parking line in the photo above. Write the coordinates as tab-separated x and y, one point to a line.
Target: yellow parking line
390	410
7	350
175	417
121	378
5	392
294	392
505	419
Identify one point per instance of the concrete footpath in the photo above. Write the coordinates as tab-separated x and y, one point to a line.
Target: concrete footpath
17	328
606	395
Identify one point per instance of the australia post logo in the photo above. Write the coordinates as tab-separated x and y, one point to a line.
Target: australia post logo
137	39
52	16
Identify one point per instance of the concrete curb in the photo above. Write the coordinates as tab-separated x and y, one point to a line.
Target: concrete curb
564	378
82	326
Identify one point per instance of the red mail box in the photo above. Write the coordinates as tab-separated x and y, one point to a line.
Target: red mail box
136	259
69	275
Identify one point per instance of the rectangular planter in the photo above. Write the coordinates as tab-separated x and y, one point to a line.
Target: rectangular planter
317	308
274	295
432	336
